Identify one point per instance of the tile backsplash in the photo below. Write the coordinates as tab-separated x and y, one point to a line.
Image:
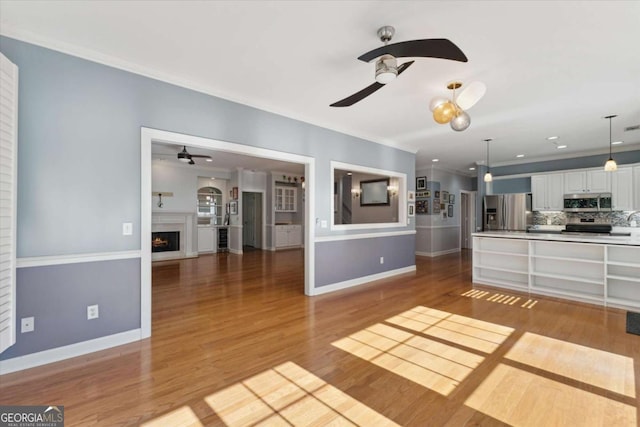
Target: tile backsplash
615	218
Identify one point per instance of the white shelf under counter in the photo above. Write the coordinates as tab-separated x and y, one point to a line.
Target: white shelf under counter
582	268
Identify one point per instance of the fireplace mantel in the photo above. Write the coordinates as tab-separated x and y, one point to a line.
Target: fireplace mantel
184	222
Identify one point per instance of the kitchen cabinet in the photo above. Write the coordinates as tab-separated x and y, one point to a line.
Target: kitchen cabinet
547	192
288	236
286	199
622	189
206	241
590	181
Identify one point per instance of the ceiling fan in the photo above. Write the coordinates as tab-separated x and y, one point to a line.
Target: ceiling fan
387	68
186	157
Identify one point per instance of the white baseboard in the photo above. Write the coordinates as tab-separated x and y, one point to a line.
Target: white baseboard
236	251
68	351
360	280
439	253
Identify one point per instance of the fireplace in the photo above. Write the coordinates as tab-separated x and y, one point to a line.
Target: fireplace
165	241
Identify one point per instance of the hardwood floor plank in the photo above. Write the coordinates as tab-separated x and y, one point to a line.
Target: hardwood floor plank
236	342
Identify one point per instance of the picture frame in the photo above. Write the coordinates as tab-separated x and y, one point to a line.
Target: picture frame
422	207
234	196
411	196
233	208
436	205
412	209
444	195
375	192
450	210
423	194
436	194
452	199
421	183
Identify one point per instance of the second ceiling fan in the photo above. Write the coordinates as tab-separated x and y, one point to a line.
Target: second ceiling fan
186	157
387	68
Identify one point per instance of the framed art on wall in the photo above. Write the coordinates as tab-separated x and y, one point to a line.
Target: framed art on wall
421	183
450	210
412	209
411	196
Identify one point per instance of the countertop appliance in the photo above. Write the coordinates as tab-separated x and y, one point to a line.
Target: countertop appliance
510	212
587	202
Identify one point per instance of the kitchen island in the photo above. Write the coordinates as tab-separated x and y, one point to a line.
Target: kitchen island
602	270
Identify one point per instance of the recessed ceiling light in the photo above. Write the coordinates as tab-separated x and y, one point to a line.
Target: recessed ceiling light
560	147
435	160
616	142
552	138
349	173
472	168
213	177
209	160
520	155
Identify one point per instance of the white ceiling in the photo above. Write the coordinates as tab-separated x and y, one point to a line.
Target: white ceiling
551	68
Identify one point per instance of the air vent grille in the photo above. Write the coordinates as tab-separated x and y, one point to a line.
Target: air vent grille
630	128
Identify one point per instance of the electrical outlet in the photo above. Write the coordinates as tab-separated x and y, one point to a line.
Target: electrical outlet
28	324
92	312
127	228
381	260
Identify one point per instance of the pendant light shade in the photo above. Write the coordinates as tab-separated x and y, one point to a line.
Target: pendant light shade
610	165
487	176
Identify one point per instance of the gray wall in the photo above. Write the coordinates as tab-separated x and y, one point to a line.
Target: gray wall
338	262
58	296
79	171
513	185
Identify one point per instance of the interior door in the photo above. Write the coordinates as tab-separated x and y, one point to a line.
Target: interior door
252	219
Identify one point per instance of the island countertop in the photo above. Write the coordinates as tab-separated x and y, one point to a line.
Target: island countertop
632	240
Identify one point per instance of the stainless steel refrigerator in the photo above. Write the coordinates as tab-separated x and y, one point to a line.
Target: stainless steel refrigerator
510	212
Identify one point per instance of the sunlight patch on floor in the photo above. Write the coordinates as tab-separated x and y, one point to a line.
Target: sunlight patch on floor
181	417
608	371
432	364
290	395
471	333
499	298
521	398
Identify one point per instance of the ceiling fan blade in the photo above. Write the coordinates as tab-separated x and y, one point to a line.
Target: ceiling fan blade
203	156
358	96
470	95
191	162
426	48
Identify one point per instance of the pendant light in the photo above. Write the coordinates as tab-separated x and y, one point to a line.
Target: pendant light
611	165
487	176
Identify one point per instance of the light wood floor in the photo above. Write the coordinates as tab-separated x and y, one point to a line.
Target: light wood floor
235	342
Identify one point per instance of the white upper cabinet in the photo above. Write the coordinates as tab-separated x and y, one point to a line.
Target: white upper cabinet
622	189
592	181
547	192
286	199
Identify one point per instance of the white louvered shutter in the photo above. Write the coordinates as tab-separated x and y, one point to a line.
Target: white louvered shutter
8	199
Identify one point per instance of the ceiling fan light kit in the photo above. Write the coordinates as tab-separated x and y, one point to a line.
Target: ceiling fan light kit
386	69
610	165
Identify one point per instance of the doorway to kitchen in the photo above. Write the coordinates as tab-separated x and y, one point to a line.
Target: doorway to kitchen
252	221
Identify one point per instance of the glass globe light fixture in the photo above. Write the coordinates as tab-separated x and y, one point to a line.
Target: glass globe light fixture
436	102
444	112
461	121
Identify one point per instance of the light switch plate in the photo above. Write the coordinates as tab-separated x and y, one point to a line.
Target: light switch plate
127	228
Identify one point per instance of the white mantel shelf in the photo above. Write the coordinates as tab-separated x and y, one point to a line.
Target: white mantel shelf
603	270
